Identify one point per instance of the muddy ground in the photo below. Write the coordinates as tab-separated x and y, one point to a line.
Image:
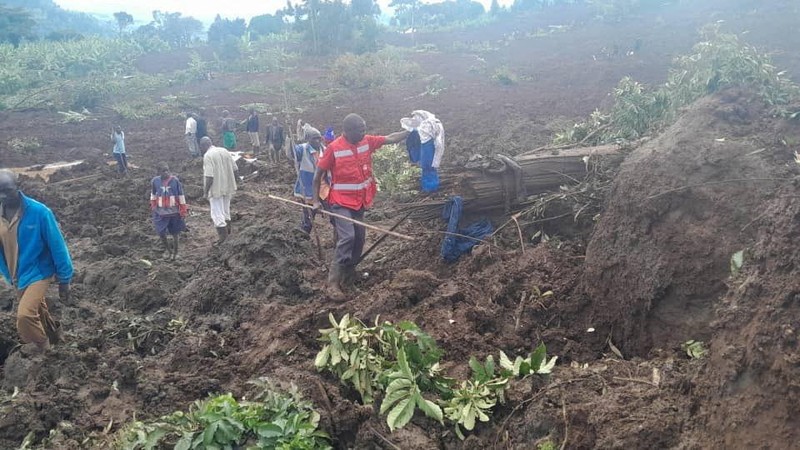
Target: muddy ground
651	272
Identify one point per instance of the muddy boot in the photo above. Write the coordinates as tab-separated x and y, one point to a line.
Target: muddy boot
165	248
348	275
334	288
54	332
174	254
222	232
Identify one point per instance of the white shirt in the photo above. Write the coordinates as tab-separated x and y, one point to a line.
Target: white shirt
191	126
218	164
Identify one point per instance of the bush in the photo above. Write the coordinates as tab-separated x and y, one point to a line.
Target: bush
24	145
393	171
273	419
720	60
373	69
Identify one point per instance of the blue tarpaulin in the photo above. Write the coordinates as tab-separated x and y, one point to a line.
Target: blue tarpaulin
455	246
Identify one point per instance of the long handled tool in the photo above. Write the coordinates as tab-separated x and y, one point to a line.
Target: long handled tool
380	239
339	216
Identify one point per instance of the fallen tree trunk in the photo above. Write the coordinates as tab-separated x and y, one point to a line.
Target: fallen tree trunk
501	182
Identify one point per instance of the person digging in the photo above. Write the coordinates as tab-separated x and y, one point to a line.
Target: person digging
349	160
169	207
32	254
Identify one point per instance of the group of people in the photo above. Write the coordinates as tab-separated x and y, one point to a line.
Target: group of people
336	177
275	138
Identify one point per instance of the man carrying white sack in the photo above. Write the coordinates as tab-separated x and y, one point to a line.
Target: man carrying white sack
425	146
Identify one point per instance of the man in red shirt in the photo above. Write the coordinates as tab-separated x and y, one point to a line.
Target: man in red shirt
349	160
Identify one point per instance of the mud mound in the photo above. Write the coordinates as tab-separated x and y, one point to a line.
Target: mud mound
750	384
678	210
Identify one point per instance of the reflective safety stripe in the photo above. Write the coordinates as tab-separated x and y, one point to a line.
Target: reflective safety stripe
351	187
340	153
363	149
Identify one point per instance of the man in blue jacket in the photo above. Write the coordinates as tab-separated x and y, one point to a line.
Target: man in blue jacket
32	254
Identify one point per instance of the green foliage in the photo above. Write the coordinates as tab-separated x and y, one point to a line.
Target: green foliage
221	28
273	420
373	69
123	19
402	361
16	25
504	75
720	60
546	445
24	144
535	363
393	171
694	349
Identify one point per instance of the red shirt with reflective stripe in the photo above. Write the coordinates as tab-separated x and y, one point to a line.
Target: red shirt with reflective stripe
352	183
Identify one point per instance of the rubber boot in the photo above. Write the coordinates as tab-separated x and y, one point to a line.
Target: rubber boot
228	227
335	282
166	248
174	255
348	275
222	232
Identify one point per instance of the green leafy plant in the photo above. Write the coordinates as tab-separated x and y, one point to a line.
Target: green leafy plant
694	349
274	420
403	396
393	171
350	353
403	362
535	363
718	61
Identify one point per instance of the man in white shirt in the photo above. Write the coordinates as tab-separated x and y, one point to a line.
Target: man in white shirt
191	135
219	173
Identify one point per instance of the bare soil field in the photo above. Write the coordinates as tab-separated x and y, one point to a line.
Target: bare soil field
652	271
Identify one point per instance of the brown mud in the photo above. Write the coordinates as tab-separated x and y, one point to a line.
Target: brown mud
146	337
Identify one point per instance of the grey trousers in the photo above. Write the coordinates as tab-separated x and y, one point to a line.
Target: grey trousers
351	237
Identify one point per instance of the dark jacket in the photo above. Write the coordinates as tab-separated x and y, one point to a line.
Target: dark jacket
275	135
202	128
252	124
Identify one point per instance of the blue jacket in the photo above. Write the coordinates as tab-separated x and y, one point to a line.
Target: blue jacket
42	250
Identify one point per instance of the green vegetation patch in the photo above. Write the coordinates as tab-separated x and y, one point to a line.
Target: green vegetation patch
271	420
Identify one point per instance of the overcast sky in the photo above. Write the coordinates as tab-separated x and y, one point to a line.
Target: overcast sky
141	10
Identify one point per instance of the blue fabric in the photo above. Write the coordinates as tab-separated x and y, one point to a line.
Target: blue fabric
329	136
306	166
41	247
430	176
423	155
455	246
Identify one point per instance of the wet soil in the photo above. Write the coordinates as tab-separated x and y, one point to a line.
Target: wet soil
146	336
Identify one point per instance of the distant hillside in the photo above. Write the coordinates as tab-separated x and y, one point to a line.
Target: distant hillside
51	18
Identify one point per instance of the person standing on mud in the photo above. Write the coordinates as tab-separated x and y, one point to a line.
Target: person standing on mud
275	139
169	209
202	126
349	160
191	135
251	125
228	127
118	139
306	156
32	254
220	173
